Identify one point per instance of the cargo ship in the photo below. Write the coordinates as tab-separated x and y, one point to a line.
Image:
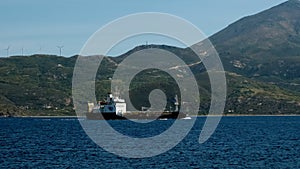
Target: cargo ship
114	108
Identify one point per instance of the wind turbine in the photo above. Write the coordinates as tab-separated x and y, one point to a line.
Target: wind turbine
60	48
7	50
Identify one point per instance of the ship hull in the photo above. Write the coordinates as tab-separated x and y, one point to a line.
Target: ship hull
136	115
103	116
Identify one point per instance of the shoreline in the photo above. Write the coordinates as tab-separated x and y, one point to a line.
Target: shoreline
47	117
245	115
226	115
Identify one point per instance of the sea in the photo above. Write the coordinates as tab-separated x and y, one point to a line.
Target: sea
238	142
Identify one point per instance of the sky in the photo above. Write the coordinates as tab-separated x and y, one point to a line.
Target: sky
37	26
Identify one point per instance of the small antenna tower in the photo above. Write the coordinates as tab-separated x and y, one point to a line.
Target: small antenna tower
40	50
7	51
60	48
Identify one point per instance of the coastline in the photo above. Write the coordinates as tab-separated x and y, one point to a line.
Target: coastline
47	116
246	115
226	115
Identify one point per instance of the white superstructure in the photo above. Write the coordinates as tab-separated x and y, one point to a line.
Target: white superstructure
111	105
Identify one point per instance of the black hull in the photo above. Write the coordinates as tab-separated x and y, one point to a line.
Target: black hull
136	115
105	116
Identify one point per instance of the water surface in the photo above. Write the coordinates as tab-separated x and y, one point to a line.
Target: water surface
239	142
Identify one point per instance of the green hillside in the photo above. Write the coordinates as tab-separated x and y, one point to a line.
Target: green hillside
36	84
41	85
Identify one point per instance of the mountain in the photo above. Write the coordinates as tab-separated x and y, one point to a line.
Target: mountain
264	46
260	54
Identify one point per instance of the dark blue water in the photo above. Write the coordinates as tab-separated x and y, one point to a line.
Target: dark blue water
239	142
